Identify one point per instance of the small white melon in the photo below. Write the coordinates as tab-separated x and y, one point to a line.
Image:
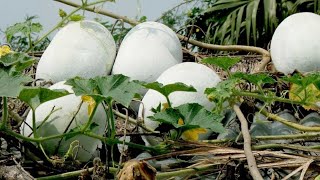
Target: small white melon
85	48
59	120
147	50
189	73
295	43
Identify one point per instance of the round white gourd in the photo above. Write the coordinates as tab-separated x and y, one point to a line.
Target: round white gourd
295	43
85	48
146	51
59	120
189	73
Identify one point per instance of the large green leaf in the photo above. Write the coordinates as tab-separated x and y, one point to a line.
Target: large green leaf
16	62
116	87
169	88
257	79
11	85
193	116
223	62
34	96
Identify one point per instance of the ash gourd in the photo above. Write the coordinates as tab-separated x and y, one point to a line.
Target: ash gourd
146	51
59	121
197	75
86	49
295	44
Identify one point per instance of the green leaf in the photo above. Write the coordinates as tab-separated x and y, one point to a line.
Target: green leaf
222	93
193	116
16	62
257	79
34	96
76	17
82	86
169	88
304	81
10	86
117	87
25	28
223	62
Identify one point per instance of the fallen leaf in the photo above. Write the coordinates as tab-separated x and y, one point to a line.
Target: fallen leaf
135	169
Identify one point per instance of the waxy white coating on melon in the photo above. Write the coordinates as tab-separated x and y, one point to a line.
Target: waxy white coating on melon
197	75
147	50
295	44
59	120
85	48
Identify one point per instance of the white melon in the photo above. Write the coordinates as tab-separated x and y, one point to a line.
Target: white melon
59	120
147	50
189	73
85	48
295	44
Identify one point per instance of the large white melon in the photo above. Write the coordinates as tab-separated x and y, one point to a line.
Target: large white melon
295	44
59	120
85	48
147	50
189	73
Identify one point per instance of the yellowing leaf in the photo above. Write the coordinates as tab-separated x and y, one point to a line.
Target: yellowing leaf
4	49
310	94
91	103
193	134
164	106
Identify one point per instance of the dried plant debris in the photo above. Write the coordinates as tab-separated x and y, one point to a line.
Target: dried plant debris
139	170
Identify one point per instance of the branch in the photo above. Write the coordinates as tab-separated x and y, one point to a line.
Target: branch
247	145
265	54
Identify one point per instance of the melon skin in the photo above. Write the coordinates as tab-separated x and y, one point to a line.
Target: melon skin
295	44
59	120
146	51
85	48
197	75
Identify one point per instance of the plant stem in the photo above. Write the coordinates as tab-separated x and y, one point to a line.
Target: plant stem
168	101
252	165
268	98
69	175
185	171
111	120
4	121
286	146
90	118
289	123
34	125
131	120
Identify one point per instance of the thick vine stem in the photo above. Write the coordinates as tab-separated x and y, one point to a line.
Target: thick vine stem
289	123
265	54
247	144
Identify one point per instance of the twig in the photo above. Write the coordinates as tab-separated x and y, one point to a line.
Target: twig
247	145
285	146
178	5
265	54
124	140
73	174
131	120
304	169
